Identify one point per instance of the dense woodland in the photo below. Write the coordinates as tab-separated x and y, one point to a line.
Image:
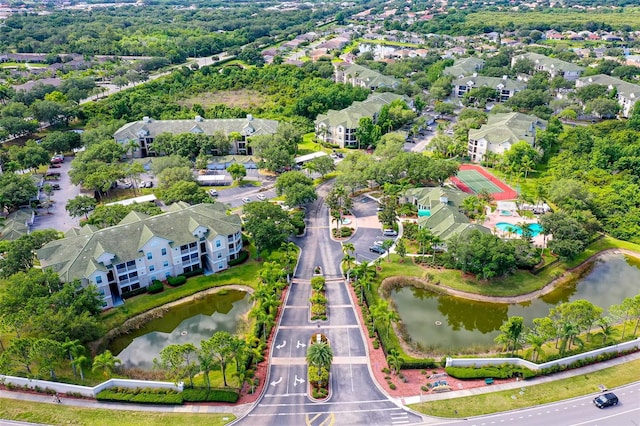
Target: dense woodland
161	30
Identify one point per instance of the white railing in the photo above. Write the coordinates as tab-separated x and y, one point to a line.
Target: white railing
481	362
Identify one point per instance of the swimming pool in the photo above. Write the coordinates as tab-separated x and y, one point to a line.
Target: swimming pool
535	228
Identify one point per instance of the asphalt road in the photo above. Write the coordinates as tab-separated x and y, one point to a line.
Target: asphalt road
355	398
572	412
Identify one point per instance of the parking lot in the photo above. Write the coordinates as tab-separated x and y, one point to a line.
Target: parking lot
56	216
369	229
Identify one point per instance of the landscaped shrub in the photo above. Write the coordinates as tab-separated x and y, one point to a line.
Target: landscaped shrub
343	232
176	281
317	283
129	294
193	273
155	287
242	257
141	396
503	371
414	364
210	395
392	386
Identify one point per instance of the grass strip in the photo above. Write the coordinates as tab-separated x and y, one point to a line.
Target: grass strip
533	395
38	412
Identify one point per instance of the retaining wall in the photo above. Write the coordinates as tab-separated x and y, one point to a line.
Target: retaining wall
481	362
86	390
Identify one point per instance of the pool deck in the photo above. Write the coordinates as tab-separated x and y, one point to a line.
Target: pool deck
514	218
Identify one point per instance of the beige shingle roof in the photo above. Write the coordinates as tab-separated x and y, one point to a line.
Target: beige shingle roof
72	257
152	128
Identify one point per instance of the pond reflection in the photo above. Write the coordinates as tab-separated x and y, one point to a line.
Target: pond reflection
189	322
446	323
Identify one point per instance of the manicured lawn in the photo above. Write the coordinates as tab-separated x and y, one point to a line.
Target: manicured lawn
309	144
533	395
61	414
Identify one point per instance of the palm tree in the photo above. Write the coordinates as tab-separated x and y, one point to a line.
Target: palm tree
105	362
348	248
536	341
266	320
320	354
607	329
74	349
77	364
205	358
511	330
348	260
394	360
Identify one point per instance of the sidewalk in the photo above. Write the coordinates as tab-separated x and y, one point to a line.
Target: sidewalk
521	384
237	410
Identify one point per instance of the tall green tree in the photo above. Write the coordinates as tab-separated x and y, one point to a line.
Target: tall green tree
511	332
106	363
268	224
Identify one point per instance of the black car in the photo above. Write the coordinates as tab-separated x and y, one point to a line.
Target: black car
377	249
605	400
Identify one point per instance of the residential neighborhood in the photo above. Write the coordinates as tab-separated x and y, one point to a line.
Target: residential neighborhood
321	213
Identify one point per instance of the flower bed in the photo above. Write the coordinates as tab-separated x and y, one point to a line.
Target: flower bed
318	299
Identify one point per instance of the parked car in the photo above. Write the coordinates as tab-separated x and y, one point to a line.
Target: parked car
605	400
389	233
246	200
213	192
146	184
57	159
261	197
55	186
55	166
377	249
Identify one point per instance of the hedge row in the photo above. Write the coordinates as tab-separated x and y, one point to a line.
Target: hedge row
176	281
193	273
210	395
155	287
132	293
419	364
503	371
141	396
242	257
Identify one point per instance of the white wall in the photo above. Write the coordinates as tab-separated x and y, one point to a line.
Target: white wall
481	362
88	390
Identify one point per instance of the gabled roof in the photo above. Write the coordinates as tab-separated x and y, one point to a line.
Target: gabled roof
509	127
464	67
432	196
370	77
16	224
624	88
547	62
493	82
148	127
77	253
350	116
445	218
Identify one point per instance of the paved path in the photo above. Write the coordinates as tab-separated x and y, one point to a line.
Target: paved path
526	383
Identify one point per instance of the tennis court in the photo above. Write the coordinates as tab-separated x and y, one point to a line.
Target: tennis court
477	182
473	179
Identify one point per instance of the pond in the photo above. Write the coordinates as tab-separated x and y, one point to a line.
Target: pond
443	323
189	322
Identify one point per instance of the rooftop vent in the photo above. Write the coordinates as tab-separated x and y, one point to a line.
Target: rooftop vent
146	119
199	119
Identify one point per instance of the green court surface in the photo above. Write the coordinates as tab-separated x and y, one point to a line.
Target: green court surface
477	182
